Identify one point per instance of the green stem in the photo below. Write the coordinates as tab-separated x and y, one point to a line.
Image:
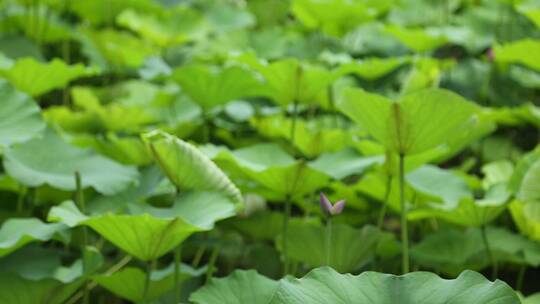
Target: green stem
198	256
212	263
285	234
294	119
404	233
20	200
150	266
387	190
79	198
177	265
328	239
494	269
521	275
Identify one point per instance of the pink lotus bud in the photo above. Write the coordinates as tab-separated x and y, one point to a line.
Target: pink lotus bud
329	209
490	54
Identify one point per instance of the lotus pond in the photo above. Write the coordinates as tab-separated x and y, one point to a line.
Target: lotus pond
270	151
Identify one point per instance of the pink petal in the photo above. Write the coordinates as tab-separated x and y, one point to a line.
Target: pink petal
338	207
326	206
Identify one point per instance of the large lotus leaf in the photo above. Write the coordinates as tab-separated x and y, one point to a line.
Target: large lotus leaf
436	182
36	78
270	166
210	87
108	47
338	16
242	286
143	236
150	232
187	167
17	232
50	160
527	218
416	123
419	40
172	27
288	80
312	137
18	290
345	163
20	119
531	9
99	12
129	283
372	68
349	249
469	212
525	182
325	285
451	251
521	51
128	150
532	299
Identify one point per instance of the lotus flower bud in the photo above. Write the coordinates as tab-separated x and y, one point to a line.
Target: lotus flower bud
329	209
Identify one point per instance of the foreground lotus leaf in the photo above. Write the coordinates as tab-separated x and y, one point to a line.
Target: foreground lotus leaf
128	283
450	251
187	167
350	248
19	116
35	276
520	51
17	232
151	232
50	160
36	78
325	285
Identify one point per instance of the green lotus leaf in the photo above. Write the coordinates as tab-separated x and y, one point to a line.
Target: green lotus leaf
451	251
242	286
259	226
20	119
270	166
36	78
108	47
520	51
436	182
345	163
17	232
526	215
350	248
419	40
95	12
50	160
312	137
129	282
416	123
288	80
325	285
532	299
372	68
210	87
35	276
531	9
337	17
187	167
469	212
172	27
150	232
46	25
524	181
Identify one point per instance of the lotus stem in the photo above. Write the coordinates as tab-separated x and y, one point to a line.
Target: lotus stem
494	266
285	233
20	200
293	123
328	239
404	233
177	265
212	263
198	256
79	198
521	275
150	266
387	190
